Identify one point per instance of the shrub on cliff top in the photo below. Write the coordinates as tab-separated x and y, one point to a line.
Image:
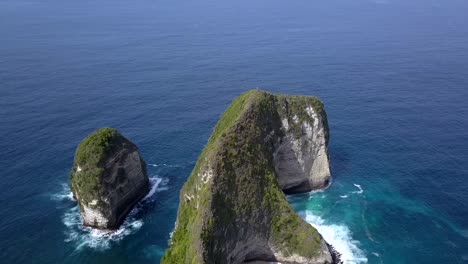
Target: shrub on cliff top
87	169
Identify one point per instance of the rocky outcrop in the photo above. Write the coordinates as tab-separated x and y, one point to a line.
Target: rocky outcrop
108	178
301	153
232	208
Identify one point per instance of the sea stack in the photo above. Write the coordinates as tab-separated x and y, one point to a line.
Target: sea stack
108	178
233	208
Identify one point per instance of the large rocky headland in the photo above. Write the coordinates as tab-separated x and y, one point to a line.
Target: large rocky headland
233	207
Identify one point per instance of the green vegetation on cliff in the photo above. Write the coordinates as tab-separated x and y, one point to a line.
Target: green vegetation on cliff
89	157
295	106
232	196
184	240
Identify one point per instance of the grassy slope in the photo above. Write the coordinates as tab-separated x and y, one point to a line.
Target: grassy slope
244	191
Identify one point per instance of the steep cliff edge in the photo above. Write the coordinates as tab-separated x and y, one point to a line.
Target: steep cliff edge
108	178
301	153
232	207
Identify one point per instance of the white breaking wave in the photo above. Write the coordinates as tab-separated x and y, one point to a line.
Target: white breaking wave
84	236
165	165
314	194
172	232
359	187
340	238
154	183
64	194
344	196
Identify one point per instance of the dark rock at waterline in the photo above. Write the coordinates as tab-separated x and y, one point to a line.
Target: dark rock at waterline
108	178
336	256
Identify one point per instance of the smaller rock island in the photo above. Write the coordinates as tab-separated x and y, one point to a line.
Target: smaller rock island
108	178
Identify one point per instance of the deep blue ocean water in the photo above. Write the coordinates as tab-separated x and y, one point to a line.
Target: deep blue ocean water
393	75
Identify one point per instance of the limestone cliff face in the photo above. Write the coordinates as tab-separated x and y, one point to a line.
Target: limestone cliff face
301	153
108	178
232	208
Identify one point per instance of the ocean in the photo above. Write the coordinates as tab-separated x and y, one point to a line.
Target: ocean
393	75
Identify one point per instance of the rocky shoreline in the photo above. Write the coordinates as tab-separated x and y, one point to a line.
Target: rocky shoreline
336	256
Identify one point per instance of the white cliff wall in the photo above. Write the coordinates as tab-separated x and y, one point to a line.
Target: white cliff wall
301	161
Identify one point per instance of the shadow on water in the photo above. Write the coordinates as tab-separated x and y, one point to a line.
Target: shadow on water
340	161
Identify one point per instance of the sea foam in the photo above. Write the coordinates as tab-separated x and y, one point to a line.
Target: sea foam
154	183
339	237
64	194
359	187
83	236
165	165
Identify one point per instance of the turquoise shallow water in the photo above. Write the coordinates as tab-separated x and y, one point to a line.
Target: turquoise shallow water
392	75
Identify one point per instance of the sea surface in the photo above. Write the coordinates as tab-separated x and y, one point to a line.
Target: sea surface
393	75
